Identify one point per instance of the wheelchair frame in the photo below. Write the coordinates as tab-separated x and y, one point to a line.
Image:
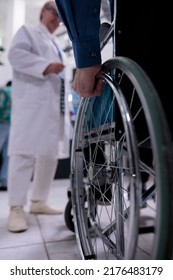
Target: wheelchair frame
109	200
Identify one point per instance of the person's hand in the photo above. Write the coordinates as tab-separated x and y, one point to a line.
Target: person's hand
85	82
55	68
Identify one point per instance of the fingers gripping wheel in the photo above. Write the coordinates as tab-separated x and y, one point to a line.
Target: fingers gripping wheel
109	164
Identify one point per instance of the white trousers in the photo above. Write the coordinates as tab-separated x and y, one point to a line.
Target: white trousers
20	171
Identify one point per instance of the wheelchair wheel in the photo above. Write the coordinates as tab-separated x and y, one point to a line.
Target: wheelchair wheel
122	142
68	216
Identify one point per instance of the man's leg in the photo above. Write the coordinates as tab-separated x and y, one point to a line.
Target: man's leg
19	176
44	173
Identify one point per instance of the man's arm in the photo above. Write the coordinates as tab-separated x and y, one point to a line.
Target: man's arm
82	20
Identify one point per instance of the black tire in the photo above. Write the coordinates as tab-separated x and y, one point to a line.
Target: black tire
68	216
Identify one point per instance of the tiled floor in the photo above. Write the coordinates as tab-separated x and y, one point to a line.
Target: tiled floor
47	236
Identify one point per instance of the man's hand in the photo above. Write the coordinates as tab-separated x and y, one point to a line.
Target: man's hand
85	82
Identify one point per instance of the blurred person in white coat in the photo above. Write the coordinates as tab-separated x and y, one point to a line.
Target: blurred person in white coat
39	133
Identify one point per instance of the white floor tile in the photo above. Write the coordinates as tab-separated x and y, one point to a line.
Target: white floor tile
29	252
64	250
29	237
53	228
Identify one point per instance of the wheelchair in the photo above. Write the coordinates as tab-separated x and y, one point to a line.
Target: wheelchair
109	209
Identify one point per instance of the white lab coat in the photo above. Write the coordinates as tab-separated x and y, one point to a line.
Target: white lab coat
37	127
